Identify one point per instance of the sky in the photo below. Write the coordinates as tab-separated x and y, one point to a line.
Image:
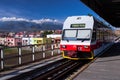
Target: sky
37	9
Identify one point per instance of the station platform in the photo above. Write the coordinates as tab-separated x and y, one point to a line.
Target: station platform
105	67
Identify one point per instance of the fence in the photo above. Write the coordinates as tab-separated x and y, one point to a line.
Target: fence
16	56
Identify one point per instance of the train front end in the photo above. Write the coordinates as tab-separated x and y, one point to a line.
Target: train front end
76	38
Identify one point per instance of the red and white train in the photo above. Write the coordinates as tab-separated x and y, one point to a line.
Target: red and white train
84	37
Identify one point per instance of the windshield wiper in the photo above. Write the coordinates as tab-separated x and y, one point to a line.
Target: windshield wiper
84	38
66	39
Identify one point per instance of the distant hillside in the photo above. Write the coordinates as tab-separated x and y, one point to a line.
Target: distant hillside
21	24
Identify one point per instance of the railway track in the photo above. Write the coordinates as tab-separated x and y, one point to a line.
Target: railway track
59	72
36	72
53	71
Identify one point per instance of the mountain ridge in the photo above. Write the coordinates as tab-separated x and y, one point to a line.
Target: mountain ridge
22	24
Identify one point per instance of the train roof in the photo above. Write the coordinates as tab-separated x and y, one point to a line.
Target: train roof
87	20
72	20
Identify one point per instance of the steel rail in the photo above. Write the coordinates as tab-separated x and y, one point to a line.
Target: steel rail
39	71
61	72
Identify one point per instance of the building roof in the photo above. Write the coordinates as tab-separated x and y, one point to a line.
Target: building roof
107	9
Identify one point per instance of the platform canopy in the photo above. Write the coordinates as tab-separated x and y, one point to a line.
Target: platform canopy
107	9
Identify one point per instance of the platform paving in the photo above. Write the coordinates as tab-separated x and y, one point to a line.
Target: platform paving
106	67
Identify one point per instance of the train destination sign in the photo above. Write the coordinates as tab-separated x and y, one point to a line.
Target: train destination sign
78	25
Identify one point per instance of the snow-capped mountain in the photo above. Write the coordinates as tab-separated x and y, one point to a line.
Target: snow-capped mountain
21	24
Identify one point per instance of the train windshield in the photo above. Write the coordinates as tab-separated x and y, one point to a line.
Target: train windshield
83	34
76	34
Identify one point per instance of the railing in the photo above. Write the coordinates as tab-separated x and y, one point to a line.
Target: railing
20	55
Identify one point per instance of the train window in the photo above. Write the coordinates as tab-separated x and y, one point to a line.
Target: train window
70	34
98	34
83	34
94	35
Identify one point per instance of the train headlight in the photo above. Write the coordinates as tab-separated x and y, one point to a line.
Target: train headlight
63	46
86	46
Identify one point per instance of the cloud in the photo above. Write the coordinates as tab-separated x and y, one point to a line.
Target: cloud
40	21
15	15
13	19
45	20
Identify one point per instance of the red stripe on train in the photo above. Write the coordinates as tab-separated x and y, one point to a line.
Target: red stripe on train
86	48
